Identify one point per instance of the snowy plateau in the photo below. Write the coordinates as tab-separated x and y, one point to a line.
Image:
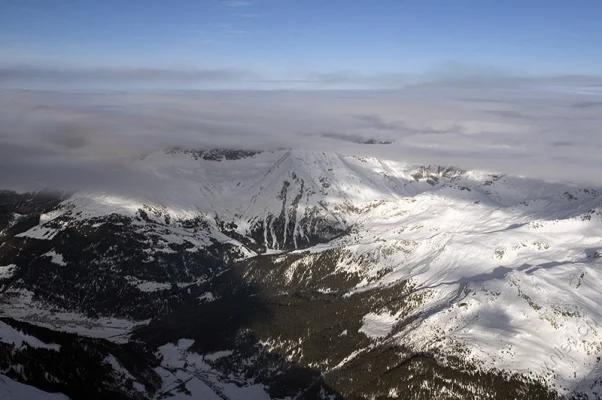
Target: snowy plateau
282	274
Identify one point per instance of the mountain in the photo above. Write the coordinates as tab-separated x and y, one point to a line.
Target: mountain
237	274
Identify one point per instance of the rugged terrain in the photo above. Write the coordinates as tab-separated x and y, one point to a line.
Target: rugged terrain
227	274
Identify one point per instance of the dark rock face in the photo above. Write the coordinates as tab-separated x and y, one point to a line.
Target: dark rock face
101	258
297	335
376	141
290	229
19	212
215	154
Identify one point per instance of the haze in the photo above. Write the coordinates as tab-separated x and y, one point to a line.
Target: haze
88	86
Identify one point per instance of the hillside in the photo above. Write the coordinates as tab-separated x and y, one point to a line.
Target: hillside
294	274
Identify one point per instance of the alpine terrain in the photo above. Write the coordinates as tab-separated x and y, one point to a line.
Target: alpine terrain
284	274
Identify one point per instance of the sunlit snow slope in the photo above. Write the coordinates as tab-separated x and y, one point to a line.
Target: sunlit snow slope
504	272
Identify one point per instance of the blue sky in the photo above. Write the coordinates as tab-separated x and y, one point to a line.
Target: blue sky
294	40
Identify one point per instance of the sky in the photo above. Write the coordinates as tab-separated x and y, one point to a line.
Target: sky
506	86
256	44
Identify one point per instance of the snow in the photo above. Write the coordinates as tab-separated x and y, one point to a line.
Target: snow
10	335
197	390
269	252
377	326
493	259
185	344
517	237
251	392
20	304
40	232
123	373
7	271
148	286
55	258
218	354
513	284
179	367
13	390
208	296
498	265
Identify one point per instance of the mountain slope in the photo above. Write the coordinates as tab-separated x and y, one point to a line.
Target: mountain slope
290	273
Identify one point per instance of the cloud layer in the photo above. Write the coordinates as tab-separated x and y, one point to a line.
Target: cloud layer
64	75
36	76
69	139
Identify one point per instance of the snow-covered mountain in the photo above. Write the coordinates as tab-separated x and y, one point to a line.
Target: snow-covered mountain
294	274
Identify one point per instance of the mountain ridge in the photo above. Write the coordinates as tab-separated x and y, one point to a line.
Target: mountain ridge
464	271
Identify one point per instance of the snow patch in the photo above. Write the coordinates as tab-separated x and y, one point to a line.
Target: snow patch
55	258
20	304
10	335
218	354
180	367
207	297
148	286
7	271
13	390
377	326
272	252
123	373
40	233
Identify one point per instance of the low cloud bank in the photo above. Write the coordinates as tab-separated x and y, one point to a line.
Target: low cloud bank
67	140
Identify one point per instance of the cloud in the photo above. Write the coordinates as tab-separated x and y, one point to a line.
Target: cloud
377	122
508	114
30	75
343	80
36	76
236	3
461	72
345	137
353	78
561	143
587	104
16	74
70	139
